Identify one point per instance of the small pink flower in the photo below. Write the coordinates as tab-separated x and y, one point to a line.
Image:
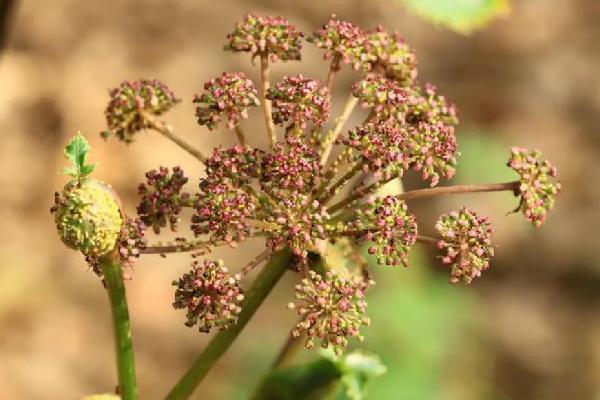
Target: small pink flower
128	103
379	147
392	230
131	240
291	166
331	309
466	239
274	37
162	198
390	53
538	186
298	100
431	149
342	42
210	296
226	98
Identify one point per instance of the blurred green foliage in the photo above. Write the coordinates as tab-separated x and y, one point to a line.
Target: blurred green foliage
330	377
483	160
420	322
483	149
422	331
462	16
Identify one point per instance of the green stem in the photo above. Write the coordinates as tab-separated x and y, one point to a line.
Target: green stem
113	278
264	282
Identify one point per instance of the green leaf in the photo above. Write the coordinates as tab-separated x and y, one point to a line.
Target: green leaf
312	381
358	369
76	152
462	16
430	328
330	377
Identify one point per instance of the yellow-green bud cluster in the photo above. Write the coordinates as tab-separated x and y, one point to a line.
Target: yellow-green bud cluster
87	217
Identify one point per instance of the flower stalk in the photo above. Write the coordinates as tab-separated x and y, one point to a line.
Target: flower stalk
167	131
432	192
332	135
182	247
262	286
240	135
459	189
333	189
115	286
264	89
333	69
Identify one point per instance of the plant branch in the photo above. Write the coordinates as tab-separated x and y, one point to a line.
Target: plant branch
264	89
255	262
113	278
331	191
432	192
240	135
264	225
331	170
167	131
264	282
334	67
180	247
328	141
360	192
427	239
457	189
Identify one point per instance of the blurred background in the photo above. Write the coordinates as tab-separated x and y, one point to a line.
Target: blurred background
529	329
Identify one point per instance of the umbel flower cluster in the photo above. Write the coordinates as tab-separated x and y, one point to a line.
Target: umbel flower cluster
314	186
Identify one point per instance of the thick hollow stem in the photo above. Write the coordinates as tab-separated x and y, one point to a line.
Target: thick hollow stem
167	131
113	278
264	282
264	89
339	124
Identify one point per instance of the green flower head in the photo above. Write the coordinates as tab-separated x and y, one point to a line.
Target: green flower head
87	217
